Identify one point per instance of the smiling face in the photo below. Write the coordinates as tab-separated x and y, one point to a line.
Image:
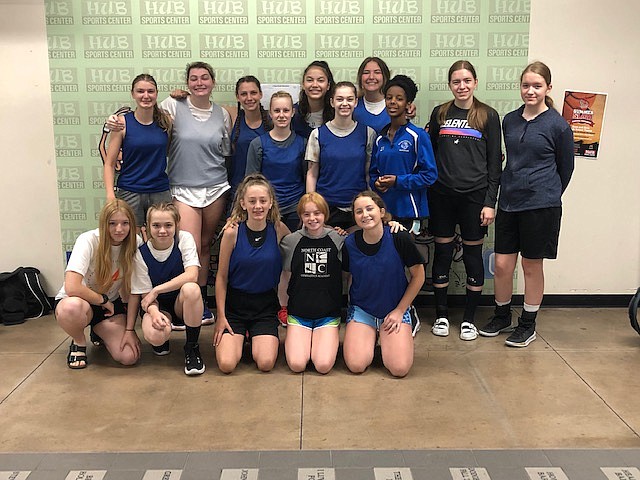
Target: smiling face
533	90
200	82
367	214
344	101
257	202
162	229
281	111
249	96
145	94
119	227
313	219
396	101
462	85
315	83
372	78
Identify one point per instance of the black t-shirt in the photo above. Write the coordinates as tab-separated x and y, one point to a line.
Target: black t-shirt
402	241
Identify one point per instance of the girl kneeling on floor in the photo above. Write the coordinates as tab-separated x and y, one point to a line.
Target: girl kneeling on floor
380	296
249	268
166	276
99	269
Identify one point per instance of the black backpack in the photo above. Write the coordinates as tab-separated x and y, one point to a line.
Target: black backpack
22	296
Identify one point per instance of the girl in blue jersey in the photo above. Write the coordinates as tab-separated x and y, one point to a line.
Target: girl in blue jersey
249	270
279	156
313	109
380	296
373	75
338	155
465	134
144	140
402	162
251	121
166	276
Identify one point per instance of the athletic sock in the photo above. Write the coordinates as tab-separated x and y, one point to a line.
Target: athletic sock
473	300
502	308
193	334
440	294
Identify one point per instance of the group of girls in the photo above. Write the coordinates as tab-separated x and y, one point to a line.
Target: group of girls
396	161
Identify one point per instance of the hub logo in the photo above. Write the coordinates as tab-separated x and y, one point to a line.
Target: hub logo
397	45
97	177
504	105
73	209
281	75
98	203
108	46
169	12
109	79
63	80
339	45
70	178
226	78
69	237
166	45
339	12
349	73
106	12
223	12
439	79
94	139
68	145
282	46
276	12
168	78
455	11
224	45
59	12
100	111
61	46
66	113
502	77
397	12
508	44
509	11
462	45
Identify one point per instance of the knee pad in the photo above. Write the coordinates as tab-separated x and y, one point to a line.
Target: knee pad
473	264
442	255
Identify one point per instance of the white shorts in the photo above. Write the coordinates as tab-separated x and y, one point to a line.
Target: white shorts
199	197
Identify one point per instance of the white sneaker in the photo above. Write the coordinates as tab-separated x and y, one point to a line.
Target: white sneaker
468	331
440	327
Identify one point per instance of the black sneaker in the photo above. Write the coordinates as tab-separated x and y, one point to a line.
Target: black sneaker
193	364
415	320
161	350
522	336
496	325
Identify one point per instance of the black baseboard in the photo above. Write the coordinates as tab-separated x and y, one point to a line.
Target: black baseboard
425	299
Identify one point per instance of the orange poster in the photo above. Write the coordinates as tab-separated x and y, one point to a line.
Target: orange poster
585	113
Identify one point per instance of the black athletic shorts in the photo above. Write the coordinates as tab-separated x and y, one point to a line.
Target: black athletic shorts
98	312
340	218
532	233
256	313
447	211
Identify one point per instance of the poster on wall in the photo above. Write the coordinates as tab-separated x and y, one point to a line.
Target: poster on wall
585	113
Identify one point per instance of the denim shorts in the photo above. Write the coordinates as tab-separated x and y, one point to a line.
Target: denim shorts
356	314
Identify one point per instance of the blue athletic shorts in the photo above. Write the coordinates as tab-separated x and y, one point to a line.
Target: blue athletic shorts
356	314
312	324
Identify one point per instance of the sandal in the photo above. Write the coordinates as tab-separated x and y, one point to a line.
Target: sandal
77	354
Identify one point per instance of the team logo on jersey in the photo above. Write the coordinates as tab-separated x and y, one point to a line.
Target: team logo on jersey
404	146
315	263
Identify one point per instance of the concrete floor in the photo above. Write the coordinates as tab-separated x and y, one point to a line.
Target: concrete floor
576	387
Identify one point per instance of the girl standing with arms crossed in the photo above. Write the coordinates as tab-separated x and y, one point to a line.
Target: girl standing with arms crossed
380	295
313	108
166	276
466	138
98	272
279	156
402	163
338	154
248	275
144	139
540	163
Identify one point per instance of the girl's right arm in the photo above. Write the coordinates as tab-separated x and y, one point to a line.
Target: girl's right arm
254	157
113	150
227	244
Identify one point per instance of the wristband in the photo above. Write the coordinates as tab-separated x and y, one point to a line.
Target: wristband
129	329
105	299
